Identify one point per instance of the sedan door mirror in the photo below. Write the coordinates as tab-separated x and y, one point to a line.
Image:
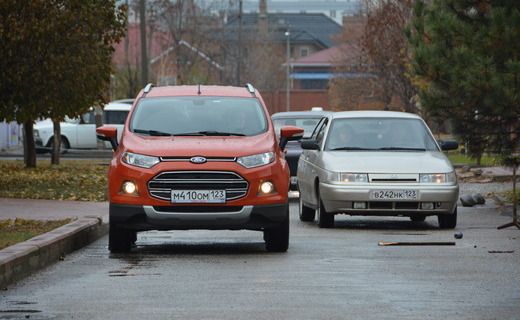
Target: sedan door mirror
448	145
108	133
310	145
289	133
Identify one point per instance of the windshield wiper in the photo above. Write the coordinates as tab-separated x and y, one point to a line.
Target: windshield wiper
350	148
402	148
220	133
153	132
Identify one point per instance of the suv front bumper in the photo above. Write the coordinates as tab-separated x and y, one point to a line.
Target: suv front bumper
141	218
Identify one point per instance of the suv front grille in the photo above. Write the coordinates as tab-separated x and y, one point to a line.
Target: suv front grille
161	185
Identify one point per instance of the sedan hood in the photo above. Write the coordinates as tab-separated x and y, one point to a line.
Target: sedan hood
387	162
206	146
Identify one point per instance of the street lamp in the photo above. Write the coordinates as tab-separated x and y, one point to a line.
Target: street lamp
287	70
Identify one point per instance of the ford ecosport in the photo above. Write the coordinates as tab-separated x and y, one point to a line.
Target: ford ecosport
198	157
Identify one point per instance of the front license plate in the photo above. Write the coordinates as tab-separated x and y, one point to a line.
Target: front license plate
198	196
393	195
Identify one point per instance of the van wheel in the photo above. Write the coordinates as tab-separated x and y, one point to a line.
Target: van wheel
120	240
277	238
306	213
325	219
448	221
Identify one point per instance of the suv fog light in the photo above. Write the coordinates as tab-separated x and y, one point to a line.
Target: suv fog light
129	187
427	206
359	205
266	187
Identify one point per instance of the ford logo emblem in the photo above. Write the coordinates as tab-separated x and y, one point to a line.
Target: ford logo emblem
198	160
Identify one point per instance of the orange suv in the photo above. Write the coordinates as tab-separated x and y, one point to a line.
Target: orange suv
198	157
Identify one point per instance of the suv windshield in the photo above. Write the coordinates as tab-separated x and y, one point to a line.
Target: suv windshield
216	116
398	134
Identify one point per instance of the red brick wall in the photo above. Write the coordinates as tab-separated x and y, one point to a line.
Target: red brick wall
301	100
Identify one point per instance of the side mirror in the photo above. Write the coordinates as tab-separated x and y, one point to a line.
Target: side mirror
108	133
448	145
288	133
310	145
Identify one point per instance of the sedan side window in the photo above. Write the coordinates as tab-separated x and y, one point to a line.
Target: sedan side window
321	133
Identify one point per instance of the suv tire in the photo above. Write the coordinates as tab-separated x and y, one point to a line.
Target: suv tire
277	238
448	221
120	240
306	213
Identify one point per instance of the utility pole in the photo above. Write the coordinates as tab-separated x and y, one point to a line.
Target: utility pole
144	55
239	55
288	71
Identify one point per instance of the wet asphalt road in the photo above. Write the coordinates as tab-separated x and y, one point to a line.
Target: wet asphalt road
327	274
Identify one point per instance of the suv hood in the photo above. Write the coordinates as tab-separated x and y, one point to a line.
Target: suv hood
387	162
206	146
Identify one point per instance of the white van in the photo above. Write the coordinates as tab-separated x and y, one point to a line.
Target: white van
80	133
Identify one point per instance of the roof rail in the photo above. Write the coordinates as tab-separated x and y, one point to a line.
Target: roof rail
148	88
250	88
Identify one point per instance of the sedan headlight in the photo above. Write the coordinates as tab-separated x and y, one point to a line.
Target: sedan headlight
348	177
140	160
353	177
449	177
256	160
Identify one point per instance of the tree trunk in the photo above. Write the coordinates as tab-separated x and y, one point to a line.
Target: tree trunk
56	143
29	154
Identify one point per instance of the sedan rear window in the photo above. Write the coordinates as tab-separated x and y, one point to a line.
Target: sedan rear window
199	116
385	134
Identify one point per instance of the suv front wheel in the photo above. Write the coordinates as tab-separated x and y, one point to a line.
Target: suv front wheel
277	238
120	240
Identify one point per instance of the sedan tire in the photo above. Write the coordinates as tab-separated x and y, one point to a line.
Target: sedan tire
448	221
306	214
325	219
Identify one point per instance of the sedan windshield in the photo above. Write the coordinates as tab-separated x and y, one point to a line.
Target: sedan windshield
307	124
199	116
380	134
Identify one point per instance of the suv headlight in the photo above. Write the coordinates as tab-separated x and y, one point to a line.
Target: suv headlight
449	177
36	133
256	160
140	160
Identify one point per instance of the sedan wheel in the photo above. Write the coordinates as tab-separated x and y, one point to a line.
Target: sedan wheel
325	219
306	213
447	221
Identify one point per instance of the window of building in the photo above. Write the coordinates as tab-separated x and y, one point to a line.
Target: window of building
304	51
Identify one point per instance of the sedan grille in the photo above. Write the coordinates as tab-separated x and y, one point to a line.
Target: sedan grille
161	185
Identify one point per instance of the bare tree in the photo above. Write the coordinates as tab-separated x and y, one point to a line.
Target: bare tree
386	45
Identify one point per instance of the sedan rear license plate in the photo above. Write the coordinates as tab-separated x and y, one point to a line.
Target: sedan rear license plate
198	196
393	195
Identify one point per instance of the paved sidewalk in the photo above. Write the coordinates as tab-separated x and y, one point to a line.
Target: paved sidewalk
51	209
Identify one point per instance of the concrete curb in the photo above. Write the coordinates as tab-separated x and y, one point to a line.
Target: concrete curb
22	259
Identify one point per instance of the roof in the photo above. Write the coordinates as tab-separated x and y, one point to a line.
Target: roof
300	114
117	106
303	27
219	91
374	114
346	52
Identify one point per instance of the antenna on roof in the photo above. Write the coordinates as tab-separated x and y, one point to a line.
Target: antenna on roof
198	92
148	87
250	88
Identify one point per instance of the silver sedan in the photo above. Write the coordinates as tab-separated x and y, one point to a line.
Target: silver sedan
376	163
